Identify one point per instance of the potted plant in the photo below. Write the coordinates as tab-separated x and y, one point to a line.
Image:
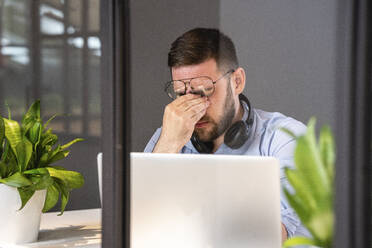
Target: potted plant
30	180
312	191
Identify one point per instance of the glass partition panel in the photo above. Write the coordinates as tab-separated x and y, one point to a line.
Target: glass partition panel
51	50
287	50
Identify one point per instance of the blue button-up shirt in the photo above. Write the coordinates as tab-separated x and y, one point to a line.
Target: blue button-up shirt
266	139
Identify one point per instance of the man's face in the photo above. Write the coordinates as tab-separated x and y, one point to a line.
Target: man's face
221	110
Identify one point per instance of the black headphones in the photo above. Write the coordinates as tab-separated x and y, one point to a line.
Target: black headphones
235	136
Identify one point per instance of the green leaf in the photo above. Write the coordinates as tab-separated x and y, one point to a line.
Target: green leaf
312	181
20	145
5	153
25	194
58	156
38	171
294	241
65	195
327	150
3	169
2	131
32	116
52	197
43	160
13	133
9	113
71	143
71	179
41	181
35	133
49	120
48	138
11	161
303	191
24	152
322	225
310	166
53	156
31	164
16	180
298	206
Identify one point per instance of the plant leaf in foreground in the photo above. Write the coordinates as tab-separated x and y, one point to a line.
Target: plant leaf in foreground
312	183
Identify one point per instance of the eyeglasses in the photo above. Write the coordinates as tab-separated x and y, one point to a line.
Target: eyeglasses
203	86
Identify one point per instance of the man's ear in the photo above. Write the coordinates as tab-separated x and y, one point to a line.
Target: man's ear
239	80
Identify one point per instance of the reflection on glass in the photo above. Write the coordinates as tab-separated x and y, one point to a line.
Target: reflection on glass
59	63
93	16
51	19
71	62
52	85
75	17
16	55
77	42
94	43
14	17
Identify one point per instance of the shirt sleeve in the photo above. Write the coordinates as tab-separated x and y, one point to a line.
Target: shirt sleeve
154	139
282	146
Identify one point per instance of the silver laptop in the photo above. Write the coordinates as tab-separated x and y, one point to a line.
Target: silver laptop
204	201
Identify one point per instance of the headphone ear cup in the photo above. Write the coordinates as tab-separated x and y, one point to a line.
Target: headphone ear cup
237	135
201	147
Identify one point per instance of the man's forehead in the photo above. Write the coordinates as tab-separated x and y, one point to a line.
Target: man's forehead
206	68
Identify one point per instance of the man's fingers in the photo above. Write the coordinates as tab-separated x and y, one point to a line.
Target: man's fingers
198	111
191	108
198	108
186	98
180	100
185	106
198	115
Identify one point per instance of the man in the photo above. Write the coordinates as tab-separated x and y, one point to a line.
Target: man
206	84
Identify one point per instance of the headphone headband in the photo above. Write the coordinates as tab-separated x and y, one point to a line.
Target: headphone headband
243	98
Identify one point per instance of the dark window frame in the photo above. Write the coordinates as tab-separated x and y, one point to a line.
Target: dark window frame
115	80
353	134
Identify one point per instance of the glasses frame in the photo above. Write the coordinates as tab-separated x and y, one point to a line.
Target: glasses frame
188	80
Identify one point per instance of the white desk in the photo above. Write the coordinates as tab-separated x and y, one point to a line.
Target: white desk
78	228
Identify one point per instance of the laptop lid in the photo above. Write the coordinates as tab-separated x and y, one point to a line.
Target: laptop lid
189	200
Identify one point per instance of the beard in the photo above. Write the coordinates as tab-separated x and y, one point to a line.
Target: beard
218	128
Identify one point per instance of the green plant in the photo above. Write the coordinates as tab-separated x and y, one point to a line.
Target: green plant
27	152
312	183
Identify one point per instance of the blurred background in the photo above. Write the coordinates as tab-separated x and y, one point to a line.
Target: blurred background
287	48
51	50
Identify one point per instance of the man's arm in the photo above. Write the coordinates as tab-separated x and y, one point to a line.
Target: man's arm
282	146
179	119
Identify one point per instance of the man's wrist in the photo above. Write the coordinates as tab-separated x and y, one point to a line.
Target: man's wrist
284	233
164	146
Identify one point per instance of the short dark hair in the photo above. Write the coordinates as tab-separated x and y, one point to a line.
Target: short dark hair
200	44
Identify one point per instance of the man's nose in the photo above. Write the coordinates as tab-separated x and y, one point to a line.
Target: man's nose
188	89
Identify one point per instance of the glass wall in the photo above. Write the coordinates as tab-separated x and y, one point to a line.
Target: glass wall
287	50
51	50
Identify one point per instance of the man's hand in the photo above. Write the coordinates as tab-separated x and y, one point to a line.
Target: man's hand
284	233
180	117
